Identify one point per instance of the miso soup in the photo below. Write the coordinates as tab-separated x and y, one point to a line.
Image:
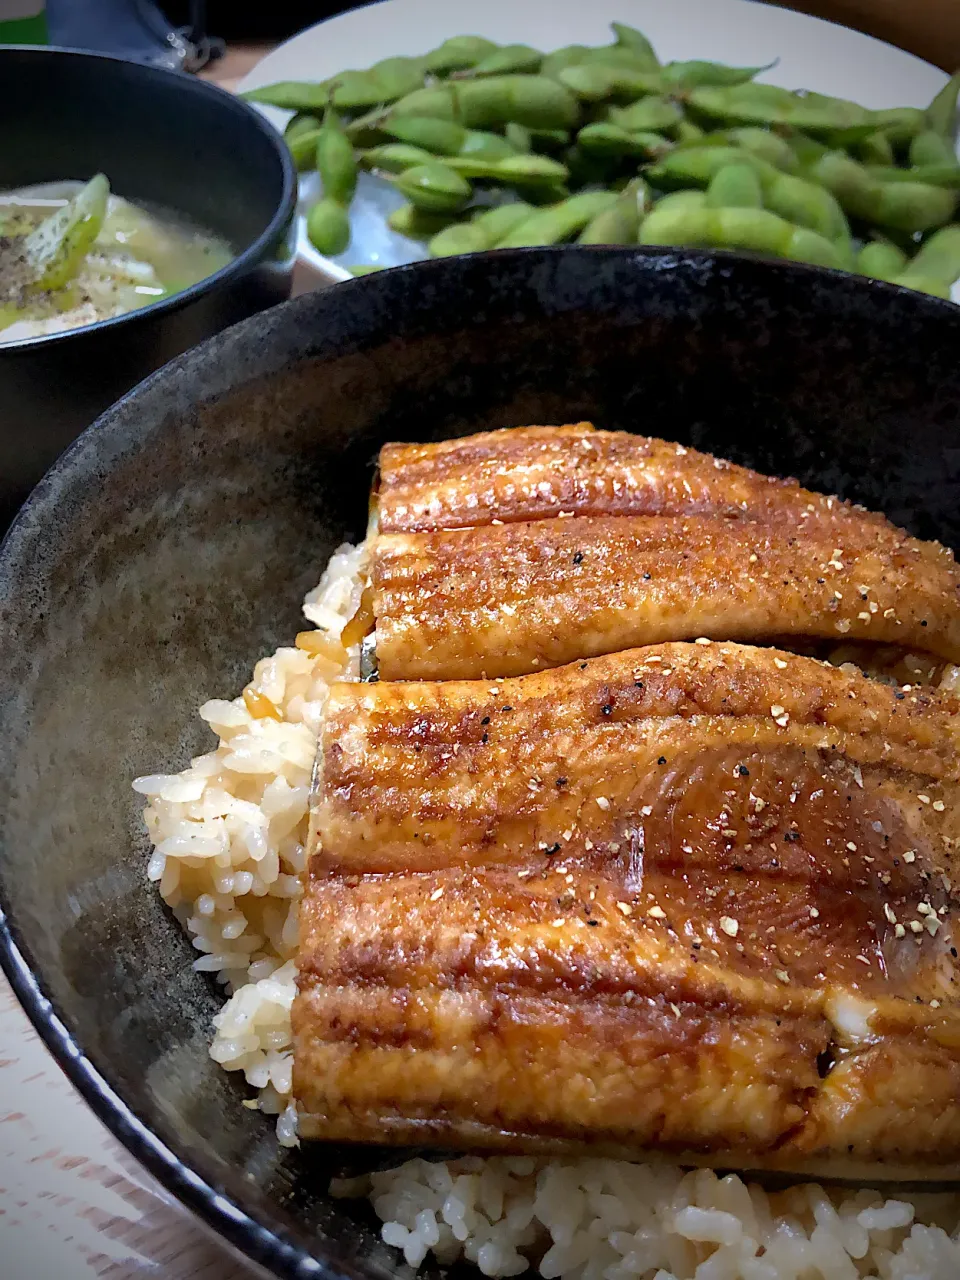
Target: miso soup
72	254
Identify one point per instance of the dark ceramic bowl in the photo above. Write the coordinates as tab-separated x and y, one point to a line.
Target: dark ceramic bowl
172	544
163	138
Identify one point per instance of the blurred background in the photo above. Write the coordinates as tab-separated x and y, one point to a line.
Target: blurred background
191	33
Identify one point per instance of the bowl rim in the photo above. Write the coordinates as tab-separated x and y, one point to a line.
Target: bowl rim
262	1240
244	113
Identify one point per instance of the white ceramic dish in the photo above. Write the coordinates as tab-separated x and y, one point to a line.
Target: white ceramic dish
812	54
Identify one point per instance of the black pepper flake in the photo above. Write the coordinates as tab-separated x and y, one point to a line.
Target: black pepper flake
661	759
923	622
578	557
592	924
646	577
743	771
418	746
484	737
638	684
791	836
607	708
697	946
953	952
560	783
485	720
821	581
506	708
583	666
554	848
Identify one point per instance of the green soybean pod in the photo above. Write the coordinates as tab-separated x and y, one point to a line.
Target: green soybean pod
458	54
434	187
768	104
498	222
881	260
638	44
336	162
398	76
923	284
806	245
941	115
441	137
291	95
807	150
365	269
932	148
534	101
694	166
547	141
620	222
914	206
596	82
768	146
687	132
512	170
735	186
303	148
300	123
482	145
699	74
418	224
328	227
508	58
354	90
610	140
806	204
939	255
556	223
900	124
518	136
459	238
616	55
682	200
937	175
653	114
875	148
569	56
394	157
436	101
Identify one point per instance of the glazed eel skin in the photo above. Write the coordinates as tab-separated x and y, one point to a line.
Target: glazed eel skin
696	897
515	551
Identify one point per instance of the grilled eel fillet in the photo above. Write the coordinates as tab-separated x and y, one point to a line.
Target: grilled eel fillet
695	897
513	551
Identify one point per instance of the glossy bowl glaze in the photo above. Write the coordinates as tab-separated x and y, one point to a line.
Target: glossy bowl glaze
171	546
163	138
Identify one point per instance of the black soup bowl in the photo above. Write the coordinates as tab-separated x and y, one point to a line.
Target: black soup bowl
167	140
171	546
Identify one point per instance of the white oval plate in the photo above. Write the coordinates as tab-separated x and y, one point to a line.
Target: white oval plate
813	54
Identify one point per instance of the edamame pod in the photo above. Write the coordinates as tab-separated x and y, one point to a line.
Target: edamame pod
687	132
336	162
394	157
461	237
768	104
365	269
697	74
507	59
354	90
638	44
303	148
436	102
693	166
556	223
881	260
328	227
482	145
941	115
612	140
300	123
900	124
548	141
768	146
620	222
458	53
594	82
518	136
875	148
434	187
931	148
806	205
807	150
441	137
735	186
753	230
923	284
418	224
498	222
937	175
569	56
653	114
905	206
939	255
291	95
397	76
512	170
495	101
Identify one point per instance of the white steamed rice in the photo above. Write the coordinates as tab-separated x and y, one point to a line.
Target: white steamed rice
229	836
